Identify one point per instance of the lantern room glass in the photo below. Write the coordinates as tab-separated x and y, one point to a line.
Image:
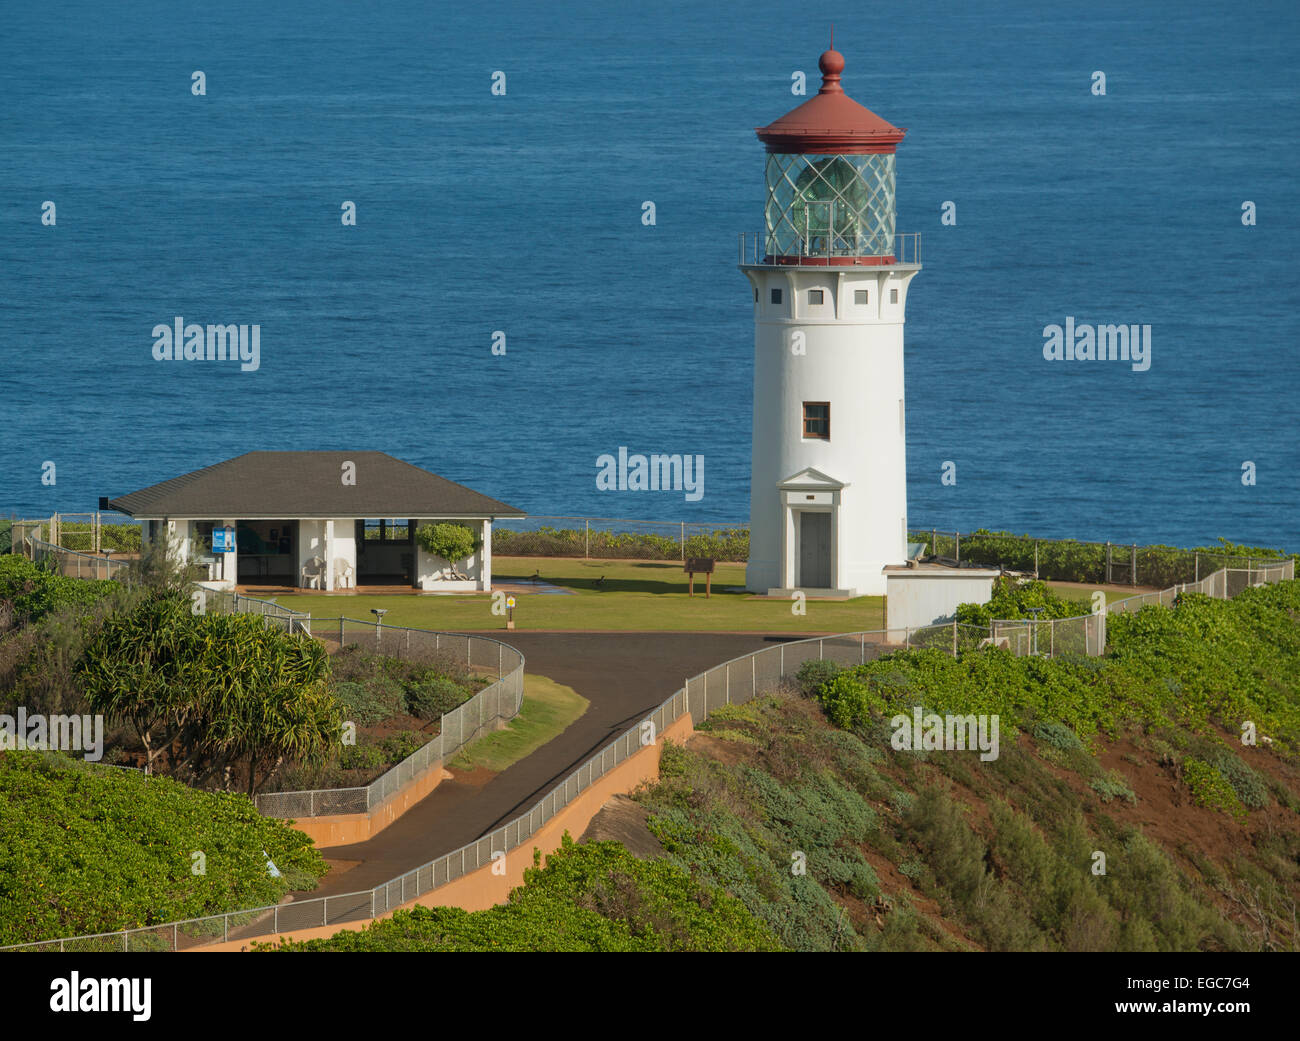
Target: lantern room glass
830	205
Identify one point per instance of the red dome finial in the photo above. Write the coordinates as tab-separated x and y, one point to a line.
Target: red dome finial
832	64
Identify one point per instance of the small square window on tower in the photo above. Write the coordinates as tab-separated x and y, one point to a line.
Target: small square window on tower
816	296
776	296
860	297
817	419
756	294
893	296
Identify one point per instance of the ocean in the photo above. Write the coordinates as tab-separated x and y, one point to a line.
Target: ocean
522	213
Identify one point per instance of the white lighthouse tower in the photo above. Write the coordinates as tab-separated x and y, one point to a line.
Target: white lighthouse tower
828	487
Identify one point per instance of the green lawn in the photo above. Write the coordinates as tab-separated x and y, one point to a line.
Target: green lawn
548	709
645	595
636	595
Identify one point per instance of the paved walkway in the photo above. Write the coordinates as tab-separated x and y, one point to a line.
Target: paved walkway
623	675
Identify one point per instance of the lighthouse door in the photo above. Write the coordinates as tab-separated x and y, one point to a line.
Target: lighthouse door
815	550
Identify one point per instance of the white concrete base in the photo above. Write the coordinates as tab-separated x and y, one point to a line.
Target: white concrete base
815	594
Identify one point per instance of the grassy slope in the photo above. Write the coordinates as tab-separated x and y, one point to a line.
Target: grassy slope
941	851
548	709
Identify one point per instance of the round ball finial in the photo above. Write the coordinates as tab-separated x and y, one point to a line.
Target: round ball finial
832	64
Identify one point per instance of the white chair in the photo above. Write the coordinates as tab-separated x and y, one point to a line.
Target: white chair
312	573
344	577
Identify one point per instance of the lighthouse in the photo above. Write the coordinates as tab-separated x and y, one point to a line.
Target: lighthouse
829	275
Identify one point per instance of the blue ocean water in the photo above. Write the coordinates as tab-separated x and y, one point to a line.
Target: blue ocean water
522	213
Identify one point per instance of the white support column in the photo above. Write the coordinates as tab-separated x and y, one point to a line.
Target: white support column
789	547
230	561
485	570
329	555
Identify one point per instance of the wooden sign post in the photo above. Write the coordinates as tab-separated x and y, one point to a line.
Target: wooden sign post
704	565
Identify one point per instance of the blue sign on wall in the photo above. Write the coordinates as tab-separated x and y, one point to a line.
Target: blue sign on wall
223	540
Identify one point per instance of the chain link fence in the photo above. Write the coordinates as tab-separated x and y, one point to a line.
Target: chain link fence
73	564
1223	584
481	714
1071	560
620	538
1049	637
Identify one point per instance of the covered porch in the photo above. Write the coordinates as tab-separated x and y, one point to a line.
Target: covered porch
333	522
336	555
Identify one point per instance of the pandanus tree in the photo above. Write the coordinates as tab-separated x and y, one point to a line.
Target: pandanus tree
134	669
216	689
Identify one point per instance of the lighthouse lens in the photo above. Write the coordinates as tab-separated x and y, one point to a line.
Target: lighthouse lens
830	206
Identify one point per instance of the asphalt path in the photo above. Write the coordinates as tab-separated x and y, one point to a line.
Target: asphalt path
623	675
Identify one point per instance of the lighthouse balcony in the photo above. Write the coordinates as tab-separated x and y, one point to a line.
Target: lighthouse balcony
761	249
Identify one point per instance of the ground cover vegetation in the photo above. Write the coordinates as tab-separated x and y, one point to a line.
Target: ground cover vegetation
587	897
89	849
396	704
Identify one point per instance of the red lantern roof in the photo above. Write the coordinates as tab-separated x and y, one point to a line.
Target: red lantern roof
831	122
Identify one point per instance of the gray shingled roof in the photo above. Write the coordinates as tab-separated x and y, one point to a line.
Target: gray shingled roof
289	485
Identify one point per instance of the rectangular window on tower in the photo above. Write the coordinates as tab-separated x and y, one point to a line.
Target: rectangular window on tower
776	296
893	296
860	297
817	420
816	296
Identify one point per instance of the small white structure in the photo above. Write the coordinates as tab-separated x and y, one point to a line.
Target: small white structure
828	484
317	520
928	594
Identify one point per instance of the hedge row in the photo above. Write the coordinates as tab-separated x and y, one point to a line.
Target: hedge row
728	544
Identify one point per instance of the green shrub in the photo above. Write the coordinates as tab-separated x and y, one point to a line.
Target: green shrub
372	701
36	590
1013	600
594	896
1113	786
402	744
435	696
90	848
1251	789
814	674
1211	789
363	757
451	542
1058	735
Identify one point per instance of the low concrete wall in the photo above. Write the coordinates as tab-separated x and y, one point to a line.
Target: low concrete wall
345	828
481	889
